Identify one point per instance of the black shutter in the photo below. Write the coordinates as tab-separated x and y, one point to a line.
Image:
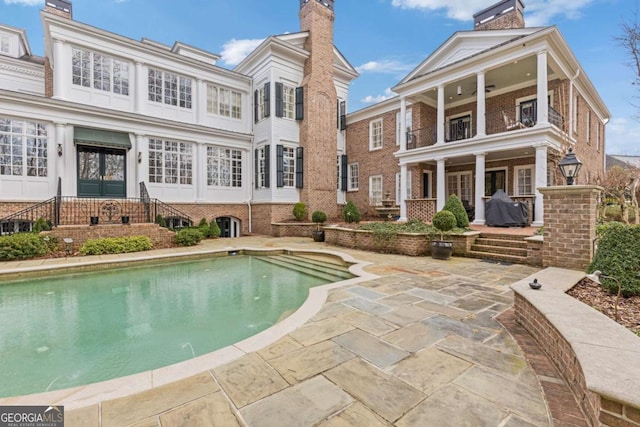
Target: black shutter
299	103
299	167
267	99
267	166
256	162
279	103
279	166
255	106
343	171
343	115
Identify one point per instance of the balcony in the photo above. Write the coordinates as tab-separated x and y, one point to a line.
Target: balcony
519	117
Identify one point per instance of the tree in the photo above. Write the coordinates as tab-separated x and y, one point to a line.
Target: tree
618	185
630	42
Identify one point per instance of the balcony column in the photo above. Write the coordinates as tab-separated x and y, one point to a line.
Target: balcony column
440	124
481	121
479	200
61	71
541	182
441	193
403	193
403	125
140	89
543	92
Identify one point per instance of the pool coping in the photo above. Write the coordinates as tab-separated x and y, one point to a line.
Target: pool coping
85	395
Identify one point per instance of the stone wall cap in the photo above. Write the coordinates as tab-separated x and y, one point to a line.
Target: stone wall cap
571	189
536	238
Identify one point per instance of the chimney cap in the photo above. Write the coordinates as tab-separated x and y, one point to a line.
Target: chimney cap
61	5
496	10
326	3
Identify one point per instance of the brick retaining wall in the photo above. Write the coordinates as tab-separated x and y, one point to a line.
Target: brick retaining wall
160	237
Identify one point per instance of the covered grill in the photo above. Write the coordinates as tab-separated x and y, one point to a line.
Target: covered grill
501	211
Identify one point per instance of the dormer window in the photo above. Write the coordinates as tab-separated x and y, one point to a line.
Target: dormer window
5	45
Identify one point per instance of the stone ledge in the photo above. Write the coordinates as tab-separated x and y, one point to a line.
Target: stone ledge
606	353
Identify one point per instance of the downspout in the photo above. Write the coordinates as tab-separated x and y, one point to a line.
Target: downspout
252	186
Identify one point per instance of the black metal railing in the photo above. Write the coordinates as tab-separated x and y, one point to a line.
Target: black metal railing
423	137
24	219
458	129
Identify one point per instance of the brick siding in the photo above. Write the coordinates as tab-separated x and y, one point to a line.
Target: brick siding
513	19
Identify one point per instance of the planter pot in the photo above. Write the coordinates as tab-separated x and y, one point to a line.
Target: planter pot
94	220
318	235
125	219
441	249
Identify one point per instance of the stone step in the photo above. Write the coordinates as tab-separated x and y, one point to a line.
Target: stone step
498	236
497	257
327	266
502	250
501	243
329	274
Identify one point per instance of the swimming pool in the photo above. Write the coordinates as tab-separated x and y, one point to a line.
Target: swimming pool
77	329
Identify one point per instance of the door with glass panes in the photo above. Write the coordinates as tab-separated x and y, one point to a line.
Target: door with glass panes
101	172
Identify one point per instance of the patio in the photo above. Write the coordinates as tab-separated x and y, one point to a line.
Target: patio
419	345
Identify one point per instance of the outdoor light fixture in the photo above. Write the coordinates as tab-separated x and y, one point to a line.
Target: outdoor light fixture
570	166
59	149
459	90
139	156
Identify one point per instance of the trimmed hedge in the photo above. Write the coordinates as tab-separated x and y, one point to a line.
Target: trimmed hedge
455	206
22	246
618	256
116	245
299	211
444	221
189	236
350	212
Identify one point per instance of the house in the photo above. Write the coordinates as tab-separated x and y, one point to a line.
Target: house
103	120
492	108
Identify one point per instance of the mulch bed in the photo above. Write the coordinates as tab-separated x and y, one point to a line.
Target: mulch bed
597	297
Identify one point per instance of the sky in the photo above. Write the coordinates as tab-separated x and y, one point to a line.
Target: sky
383	39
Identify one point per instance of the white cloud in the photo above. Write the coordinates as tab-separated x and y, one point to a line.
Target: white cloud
25	2
623	134
235	51
385	66
371	99
537	12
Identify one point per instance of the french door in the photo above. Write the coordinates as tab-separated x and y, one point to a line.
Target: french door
101	172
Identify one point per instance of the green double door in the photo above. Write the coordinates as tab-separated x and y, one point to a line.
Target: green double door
101	172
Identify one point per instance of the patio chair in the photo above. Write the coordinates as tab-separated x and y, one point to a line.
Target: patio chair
511	124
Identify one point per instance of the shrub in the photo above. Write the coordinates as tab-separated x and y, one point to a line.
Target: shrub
618	256
189	237
214	230
350	212
41	224
318	216
116	245
161	221
203	223
454	205
22	246
300	211
444	221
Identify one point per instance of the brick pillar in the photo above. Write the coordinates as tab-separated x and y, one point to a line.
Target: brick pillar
570	214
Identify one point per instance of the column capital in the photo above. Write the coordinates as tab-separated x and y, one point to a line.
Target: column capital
541	146
480	73
440	159
60	124
480	153
542	52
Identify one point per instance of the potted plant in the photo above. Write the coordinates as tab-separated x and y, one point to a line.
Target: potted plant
125	219
318	217
299	211
443	221
94	220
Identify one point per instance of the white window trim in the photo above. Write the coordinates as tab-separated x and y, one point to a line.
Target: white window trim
409	114
506	176
373	201
515	179
588	128
398	188
349	176
429	189
459	174
371	124
531	98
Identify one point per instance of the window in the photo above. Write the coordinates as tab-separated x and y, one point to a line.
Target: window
169	88
495	180
288	101
375	190
459	183
342	172
262	102
342	115
588	129
375	134
4	44
598	136
262	167
459	128
524	183
408	128
23	148
289	166
170	162
398	188
106	73
224	102
224	167
354	170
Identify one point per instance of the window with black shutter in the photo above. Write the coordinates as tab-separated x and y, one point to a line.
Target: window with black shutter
343	172
267	166
279	101
256	168
299	167
299	103
267	99
255	106
343	115
279	166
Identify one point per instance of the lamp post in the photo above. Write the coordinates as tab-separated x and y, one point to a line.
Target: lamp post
570	166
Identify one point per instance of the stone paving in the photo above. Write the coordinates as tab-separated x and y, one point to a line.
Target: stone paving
418	346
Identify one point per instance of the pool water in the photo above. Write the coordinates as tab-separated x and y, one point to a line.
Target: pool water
78	329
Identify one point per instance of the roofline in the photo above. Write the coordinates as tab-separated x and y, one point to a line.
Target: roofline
374	110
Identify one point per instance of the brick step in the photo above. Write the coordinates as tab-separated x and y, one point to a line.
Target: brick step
501	243
498	236
501	250
498	257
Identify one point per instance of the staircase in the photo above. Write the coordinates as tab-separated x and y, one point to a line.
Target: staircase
500	247
326	270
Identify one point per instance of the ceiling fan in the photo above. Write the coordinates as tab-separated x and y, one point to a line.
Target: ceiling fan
487	89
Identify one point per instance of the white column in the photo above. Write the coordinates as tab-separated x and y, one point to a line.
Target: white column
481	121
403	192
140	90
403	125
541	181
61	78
440	123
441	193
479	200
60	142
543	93
142	161
200	101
